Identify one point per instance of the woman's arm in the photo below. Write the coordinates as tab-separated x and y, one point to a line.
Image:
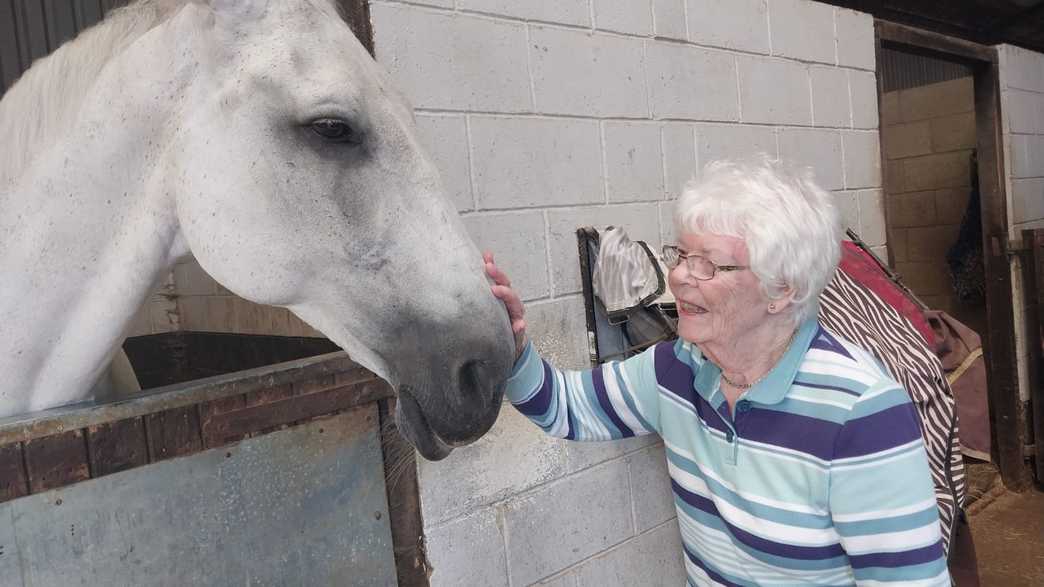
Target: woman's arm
614	400
881	495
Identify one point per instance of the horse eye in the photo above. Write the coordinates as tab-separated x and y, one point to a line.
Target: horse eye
336	131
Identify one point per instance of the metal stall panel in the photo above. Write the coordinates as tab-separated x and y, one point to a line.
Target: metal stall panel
301	506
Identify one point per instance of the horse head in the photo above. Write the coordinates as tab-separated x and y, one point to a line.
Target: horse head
299	181
262	138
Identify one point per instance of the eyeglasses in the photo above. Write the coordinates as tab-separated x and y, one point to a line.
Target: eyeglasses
699	267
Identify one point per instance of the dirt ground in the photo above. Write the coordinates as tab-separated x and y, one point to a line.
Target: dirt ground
1008	530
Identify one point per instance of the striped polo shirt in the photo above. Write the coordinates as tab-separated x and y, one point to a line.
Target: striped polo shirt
819	477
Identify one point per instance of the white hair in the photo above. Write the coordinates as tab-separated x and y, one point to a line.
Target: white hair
790	225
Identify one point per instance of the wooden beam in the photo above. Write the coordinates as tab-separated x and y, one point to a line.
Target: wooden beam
999	341
894	35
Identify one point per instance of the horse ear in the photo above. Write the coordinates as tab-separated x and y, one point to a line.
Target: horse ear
239	10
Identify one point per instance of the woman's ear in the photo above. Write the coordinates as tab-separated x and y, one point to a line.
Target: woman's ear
781	303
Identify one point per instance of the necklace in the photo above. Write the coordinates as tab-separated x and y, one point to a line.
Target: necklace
758	380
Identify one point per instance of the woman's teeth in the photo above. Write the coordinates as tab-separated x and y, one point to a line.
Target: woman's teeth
692	308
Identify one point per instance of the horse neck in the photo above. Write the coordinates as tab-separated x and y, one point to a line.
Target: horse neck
85	232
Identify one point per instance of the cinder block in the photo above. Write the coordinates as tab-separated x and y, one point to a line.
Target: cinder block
518	242
467	551
276	321
855	39
623	17
907	140
690	83
563	523
679	156
528	162
1022	110
1027	154
558	329
590	74
890	113
911	209
925	279
951	204
897	240
930	243
1021	69
633	161
872	217
575	12
848	206
830	97
583	455
669	19
651	488
930	101
803	30
893	174
1027	200
944	170
818	149
220	314
453	61
774	91
654	558
192	313
163	316
248	316
667	230
732	24
446	140
480	475
191	280
733	141
953	132
564	580
863	90
640	221
862	159
436	3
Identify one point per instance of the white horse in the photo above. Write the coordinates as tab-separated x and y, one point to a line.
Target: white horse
263	139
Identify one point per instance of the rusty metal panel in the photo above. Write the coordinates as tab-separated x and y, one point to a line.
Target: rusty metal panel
302	506
173	433
117	446
13	480
56	460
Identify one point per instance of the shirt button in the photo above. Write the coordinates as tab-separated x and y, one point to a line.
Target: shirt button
728	436
742	406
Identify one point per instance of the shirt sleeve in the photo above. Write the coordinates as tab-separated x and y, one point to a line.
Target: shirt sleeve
882	500
614	400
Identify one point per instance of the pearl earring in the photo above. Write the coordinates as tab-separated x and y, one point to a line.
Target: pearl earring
772	307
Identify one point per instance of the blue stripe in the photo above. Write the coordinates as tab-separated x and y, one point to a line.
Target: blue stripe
539	404
902	558
877	432
598	382
714	575
792	431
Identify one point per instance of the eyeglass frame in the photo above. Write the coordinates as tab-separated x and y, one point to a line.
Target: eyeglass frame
686	256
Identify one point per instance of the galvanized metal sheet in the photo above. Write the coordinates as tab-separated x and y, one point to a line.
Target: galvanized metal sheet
302	506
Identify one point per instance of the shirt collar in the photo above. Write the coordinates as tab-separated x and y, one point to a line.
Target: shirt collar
774	386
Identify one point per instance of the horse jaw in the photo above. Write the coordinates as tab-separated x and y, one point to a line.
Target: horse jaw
409	416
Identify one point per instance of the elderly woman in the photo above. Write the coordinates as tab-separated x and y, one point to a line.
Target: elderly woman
794	458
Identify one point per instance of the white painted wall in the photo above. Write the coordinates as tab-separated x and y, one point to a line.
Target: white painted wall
545	116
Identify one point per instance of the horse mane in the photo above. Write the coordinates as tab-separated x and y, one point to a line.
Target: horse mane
36	110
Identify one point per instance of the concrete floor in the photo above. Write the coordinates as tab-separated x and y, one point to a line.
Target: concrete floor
1008	530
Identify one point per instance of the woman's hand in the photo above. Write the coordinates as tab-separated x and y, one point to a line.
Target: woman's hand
502	289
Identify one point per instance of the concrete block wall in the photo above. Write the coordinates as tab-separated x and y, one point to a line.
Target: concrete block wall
928	134
1022	112
547	116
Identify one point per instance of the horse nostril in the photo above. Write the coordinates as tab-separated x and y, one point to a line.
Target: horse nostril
472	382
